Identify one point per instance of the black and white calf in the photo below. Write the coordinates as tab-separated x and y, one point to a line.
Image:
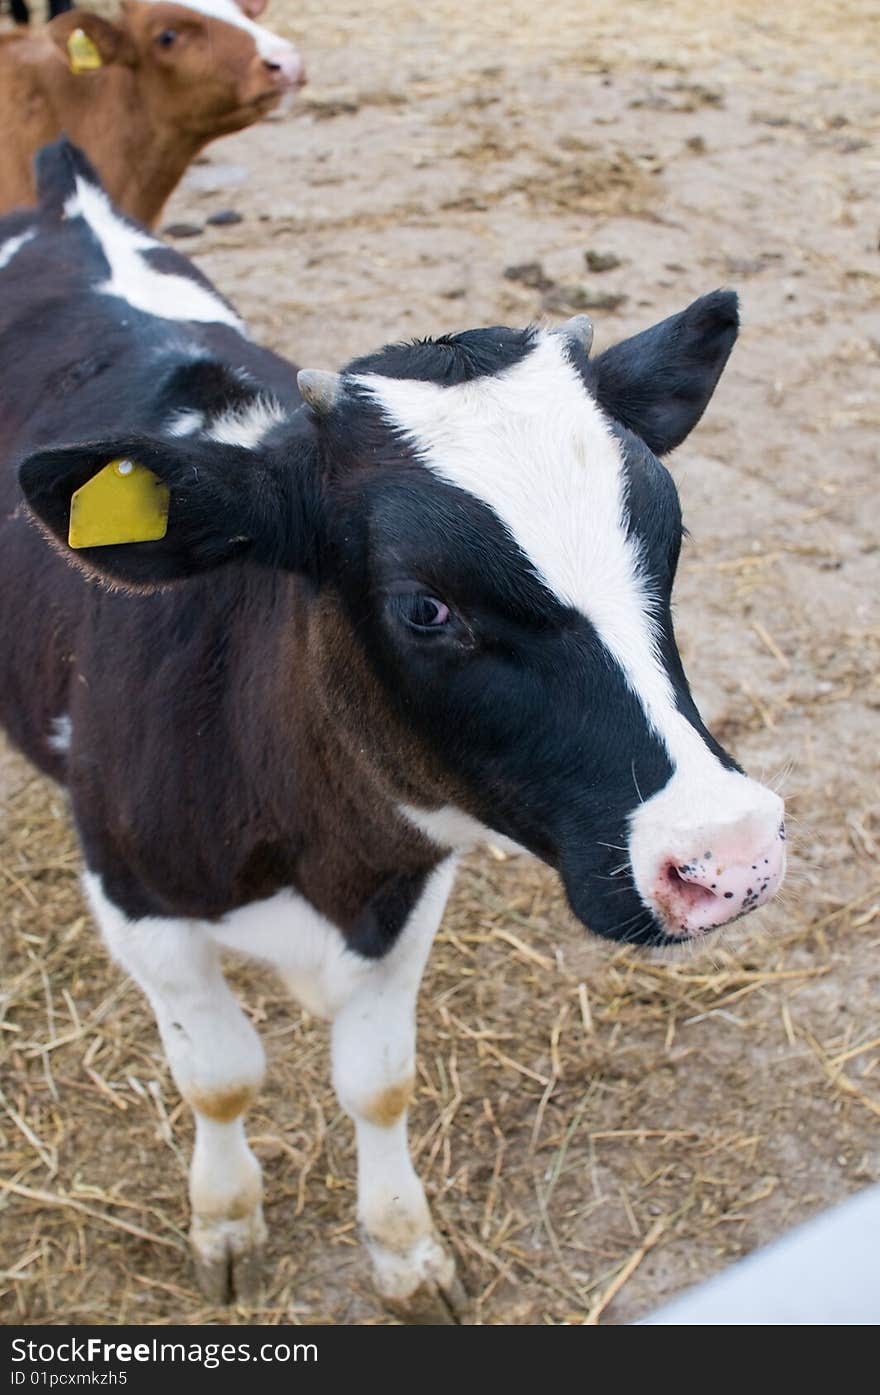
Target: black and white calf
430	603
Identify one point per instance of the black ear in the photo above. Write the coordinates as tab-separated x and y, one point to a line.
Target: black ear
226	502
659	382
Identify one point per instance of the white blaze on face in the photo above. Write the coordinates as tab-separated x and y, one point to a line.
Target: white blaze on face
269	46
532	444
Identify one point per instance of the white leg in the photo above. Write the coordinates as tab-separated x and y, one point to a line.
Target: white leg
218	1064
373	1071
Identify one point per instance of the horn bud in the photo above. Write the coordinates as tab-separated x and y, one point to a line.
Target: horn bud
319	389
580	329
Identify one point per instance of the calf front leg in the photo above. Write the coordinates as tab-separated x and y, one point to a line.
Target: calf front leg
373	1072
218	1064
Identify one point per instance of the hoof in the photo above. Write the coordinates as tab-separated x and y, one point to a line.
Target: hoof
419	1285
228	1258
433	1305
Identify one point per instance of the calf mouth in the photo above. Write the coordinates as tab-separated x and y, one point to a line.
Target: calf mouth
616	913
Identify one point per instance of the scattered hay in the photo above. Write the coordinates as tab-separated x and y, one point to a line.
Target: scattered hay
568	1133
596	1130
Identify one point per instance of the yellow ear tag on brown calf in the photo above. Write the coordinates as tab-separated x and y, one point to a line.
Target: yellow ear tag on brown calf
124	503
83	53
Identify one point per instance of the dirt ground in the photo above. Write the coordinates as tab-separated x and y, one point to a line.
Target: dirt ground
596	1130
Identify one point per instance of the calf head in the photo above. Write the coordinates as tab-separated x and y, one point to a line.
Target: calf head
486	519
203	66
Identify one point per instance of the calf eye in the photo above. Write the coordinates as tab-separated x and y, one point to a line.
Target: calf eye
166	38
424	612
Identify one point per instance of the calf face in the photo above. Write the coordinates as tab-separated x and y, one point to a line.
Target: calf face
203	67
493	542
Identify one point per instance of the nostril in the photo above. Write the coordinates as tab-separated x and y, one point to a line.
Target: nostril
287	69
687	888
713	878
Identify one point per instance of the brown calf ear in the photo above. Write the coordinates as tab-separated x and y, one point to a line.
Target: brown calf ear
110	42
252	8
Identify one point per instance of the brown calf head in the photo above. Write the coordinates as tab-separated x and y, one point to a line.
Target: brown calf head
204	68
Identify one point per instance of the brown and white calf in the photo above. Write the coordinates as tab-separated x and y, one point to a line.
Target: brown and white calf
172	78
429	606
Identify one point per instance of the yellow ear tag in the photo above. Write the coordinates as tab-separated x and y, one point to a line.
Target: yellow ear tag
124	503
83	54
